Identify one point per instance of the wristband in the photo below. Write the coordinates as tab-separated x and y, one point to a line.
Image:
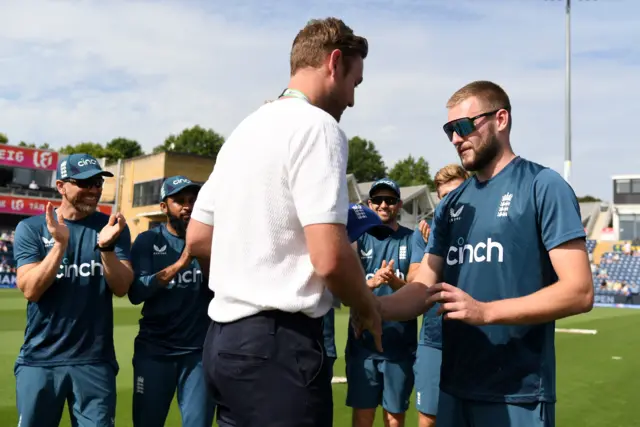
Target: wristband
106	248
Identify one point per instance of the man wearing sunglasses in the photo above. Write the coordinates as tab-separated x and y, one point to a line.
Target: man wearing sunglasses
384	378
71	261
167	354
505	259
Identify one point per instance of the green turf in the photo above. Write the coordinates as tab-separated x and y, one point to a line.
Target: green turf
594	389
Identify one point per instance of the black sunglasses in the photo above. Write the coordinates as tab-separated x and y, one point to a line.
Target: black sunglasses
464	126
389	200
87	183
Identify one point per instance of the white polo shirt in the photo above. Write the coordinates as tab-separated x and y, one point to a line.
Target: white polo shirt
283	168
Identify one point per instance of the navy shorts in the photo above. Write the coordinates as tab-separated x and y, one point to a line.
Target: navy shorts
269	369
90	390
427	371
454	412
375	382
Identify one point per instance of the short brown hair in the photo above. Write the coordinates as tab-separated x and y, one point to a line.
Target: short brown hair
492	96
449	173
319	37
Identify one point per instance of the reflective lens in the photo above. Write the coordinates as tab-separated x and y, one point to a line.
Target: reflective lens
462	127
87	183
389	200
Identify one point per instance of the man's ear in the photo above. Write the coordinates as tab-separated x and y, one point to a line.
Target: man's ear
60	187
164	207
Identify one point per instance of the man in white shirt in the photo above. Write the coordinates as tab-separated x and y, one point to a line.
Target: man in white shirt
273	269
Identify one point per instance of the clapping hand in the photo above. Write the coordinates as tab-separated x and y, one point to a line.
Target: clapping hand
383	275
424	230
57	228
112	230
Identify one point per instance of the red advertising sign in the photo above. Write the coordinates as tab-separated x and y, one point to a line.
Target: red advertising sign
29	158
31	206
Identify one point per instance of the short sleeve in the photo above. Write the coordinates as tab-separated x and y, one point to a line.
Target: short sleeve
26	246
145	283
418	247
123	245
203	208
318	173
557	210
438	244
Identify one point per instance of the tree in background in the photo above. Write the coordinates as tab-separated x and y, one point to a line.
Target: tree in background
122	148
3	138
365	162
588	198
194	140
412	172
44	146
91	148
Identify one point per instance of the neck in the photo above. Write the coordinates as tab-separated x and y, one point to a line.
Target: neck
393	224
171	229
496	166
306	81
69	212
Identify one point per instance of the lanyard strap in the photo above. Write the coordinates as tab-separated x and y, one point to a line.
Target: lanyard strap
293	93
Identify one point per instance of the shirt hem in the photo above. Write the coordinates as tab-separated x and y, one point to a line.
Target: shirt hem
576	234
493	398
432	345
323	218
202	216
52	363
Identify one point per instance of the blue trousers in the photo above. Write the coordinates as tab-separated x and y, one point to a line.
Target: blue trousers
90	391
155	381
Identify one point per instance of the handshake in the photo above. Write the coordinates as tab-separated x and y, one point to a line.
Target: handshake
367	316
455	304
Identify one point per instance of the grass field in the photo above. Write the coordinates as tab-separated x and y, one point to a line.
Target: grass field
598	375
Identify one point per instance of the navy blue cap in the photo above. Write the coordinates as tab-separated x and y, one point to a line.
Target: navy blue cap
363	220
79	166
174	185
385	183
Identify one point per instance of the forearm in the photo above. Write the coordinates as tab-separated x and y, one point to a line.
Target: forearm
396	283
163	277
146	285
407	303
347	282
36	281
548	304
117	274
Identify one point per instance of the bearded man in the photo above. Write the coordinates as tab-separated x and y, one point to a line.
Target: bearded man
71	261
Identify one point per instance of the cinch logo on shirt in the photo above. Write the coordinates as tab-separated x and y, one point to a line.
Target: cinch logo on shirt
399	274
186	278
86	269
481	252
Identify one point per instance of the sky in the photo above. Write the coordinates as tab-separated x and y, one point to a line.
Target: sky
73	71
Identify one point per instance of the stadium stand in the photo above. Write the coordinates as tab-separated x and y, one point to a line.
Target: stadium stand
616	277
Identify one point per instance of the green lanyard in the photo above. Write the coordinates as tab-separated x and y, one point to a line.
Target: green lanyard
294	93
